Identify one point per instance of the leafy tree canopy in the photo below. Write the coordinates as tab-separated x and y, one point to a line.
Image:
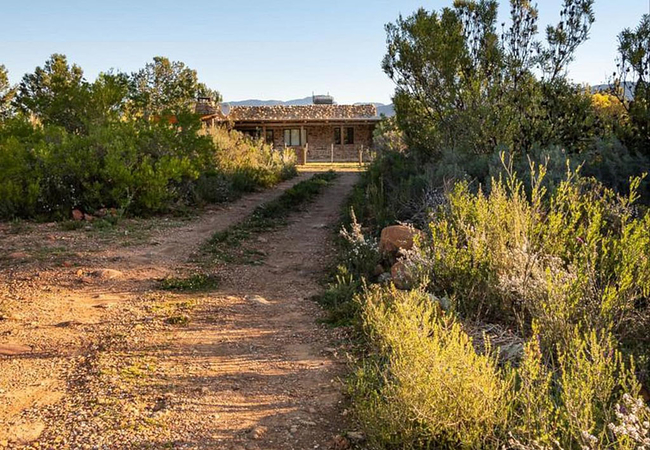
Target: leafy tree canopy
7	93
165	86
56	93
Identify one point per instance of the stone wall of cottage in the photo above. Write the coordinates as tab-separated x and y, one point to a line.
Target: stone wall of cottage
320	139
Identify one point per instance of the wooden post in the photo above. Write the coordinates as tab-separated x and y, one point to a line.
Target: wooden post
361	155
304	154
332	153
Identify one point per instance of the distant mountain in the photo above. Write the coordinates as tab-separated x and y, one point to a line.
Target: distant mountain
629	89
382	108
386	110
255	102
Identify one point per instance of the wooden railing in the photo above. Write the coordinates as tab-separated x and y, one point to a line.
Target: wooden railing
333	153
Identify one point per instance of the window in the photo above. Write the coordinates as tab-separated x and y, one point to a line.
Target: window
294	137
337	136
349	135
251	133
269	136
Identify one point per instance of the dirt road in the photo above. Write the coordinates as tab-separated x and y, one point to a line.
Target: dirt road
106	360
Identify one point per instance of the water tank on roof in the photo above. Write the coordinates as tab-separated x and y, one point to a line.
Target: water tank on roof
322	99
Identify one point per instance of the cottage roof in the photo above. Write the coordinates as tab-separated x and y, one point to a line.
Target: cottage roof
282	113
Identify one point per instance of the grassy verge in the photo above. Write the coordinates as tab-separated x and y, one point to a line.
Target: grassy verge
228	245
193	283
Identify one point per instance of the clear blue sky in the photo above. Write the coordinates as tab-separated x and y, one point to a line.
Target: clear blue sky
280	49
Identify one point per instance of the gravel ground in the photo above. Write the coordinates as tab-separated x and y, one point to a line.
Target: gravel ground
91	358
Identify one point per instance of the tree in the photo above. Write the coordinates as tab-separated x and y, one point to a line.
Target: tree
7	93
633	74
463	86
109	96
165	87
56	94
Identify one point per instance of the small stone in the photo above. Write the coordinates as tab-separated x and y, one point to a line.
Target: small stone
77	215
258	432
257	299
80	273
18	255
356	436
14	349
89	217
107	274
293	429
262	240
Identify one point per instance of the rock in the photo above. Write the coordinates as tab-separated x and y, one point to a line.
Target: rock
89	217
18	255
262	240
340	443
101	212
257	299
356	436
401	276
293	429
107	274
14	349
397	237
77	215
258	432
379	269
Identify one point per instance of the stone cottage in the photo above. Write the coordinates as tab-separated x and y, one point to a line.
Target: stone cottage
322	131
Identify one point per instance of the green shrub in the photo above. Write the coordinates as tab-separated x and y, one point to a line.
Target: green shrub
427	388
192	283
573	405
428	385
575	256
250	164
136	166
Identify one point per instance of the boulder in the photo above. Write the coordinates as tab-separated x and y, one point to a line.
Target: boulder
89	217
107	274
397	237
77	215
400	275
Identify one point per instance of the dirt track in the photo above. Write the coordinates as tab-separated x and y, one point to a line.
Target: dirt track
109	366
